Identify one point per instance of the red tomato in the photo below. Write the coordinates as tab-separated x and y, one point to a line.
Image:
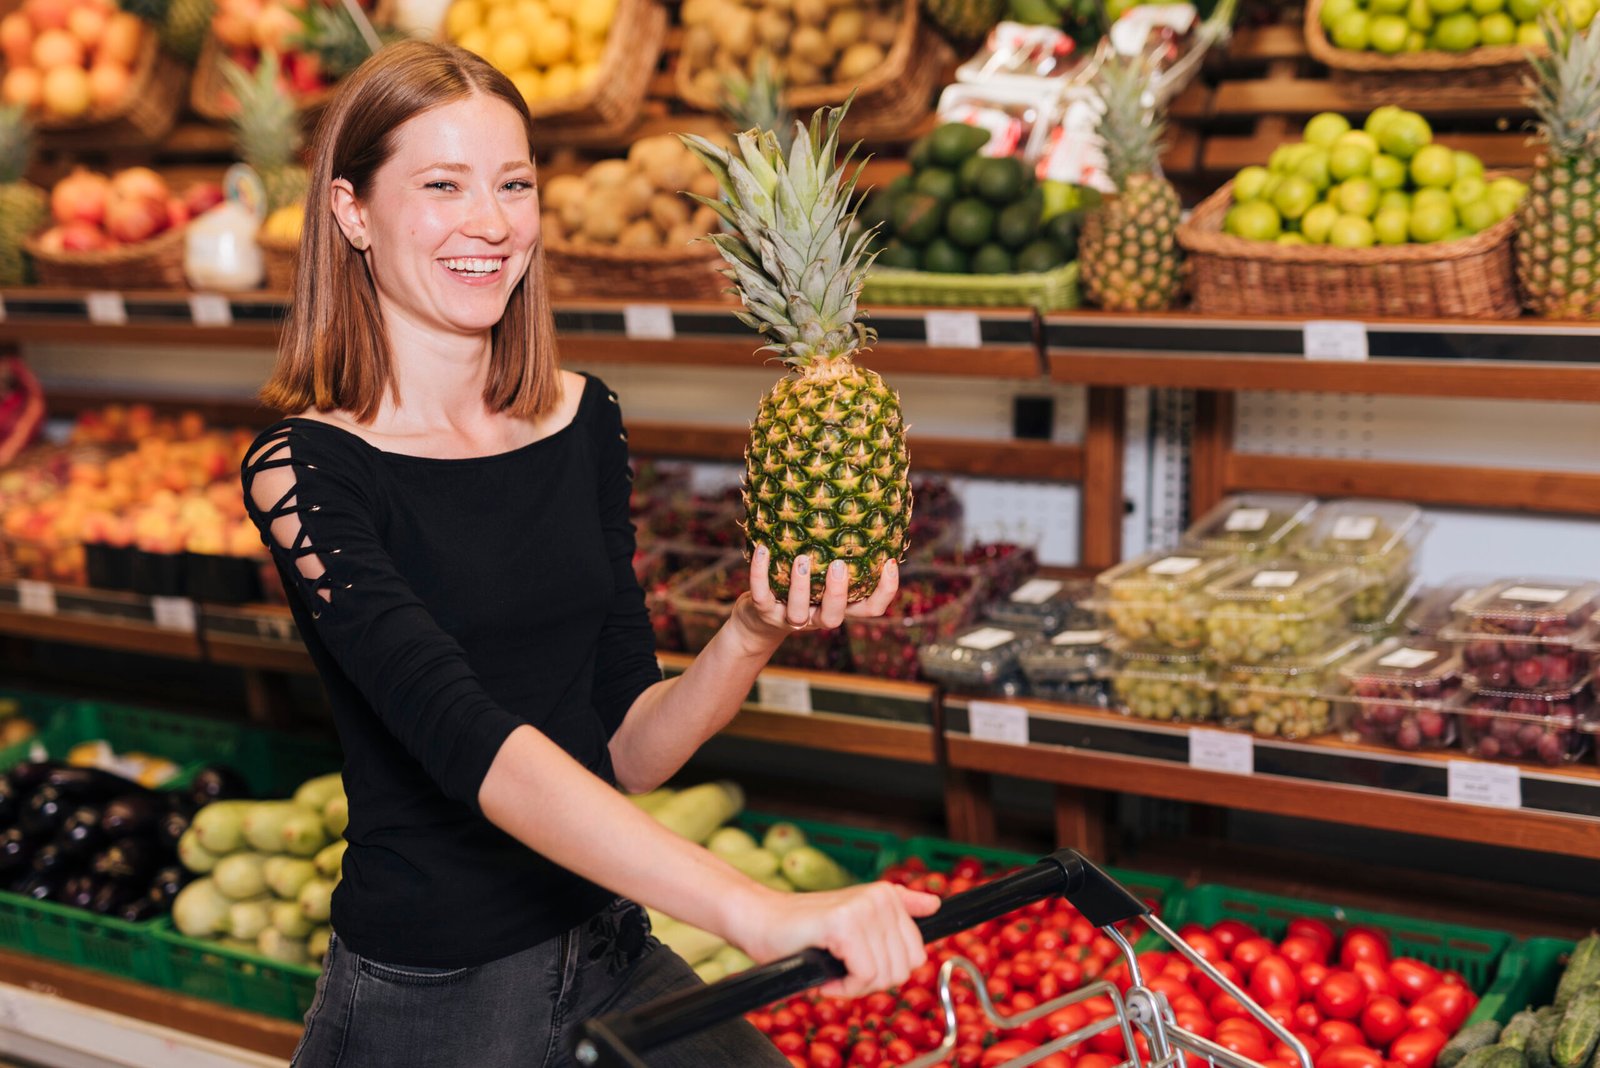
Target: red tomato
967	868
1453	1004
1066	1020
1165	984
1049	940
898	1051
1300	949
917	998
1274	980
999	989
761	1021
1096	1060
1339	1033
969	1055
1383	1020
866	1053
1003	1051
1208	948
784	1021
1244	1043
1312	1044
1307	1016
1422	1016
1374	977
1240	1023
1342	996
1452	978
1230	933
1412	978
1349	1055
789	1042
909	1026
1179	969
923	977
822	1055
1152	962
1188	1003
1024	974
1225	1005
1198	1022
1015	937
1049	987
1364	943
833	1035
1283	1012
1312	975
1249	952
1207	988
796	1061
882	1002
1070	972
1418	1049
1306	927
1055	1060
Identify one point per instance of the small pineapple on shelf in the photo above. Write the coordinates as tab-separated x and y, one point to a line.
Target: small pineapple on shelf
266	130
184	27
24	207
1128	252
826	470
1558	243
756	103
965	20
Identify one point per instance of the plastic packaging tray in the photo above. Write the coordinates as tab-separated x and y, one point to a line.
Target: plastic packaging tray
1278	611
1548	729
1160	599
886	646
1048	605
1253	526
704	603
1004	565
980	659
1400	693
1379	539
1286	698
1168	688
1527	633
1070	667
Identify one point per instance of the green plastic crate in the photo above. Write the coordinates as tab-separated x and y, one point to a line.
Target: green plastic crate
76	937
233	977
861	853
940	854
1475	952
1527	978
38	707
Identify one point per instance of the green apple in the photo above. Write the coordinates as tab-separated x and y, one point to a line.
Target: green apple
1324	128
1388	33
1432	195
1387	7
1468	165
1404	133
1393	199
1358	196
1433	165
1255	221
1419	15
1497	29
1392	227
1506	194
1292	239
1352	231
1481	8
1525	10
1349	159
1248	184
1378	119
1367	139
1456	33
1479	215
1529	34
1318	223
1334	10
1447	7
1352	31
1432	222
1388	172
1416	41
1314	169
1295	196
1468	190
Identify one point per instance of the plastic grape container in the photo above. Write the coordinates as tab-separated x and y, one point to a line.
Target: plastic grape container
982	659
1159	600
664	568
1004	565
1253	526
1545	728
1401	693
932	605
1526	633
1283	698
704	604
1433	609
1379	539
1172	688
1069	667
1044	604
1281	610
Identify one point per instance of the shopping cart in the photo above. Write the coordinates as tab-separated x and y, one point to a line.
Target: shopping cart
618	1041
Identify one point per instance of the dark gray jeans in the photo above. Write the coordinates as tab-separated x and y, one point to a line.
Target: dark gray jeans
521	1011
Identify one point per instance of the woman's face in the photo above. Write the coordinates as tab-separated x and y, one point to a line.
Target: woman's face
453	216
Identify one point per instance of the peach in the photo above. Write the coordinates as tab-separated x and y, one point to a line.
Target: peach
66	92
121	41
80	197
47	14
87	24
16	39
82	237
108	83
22	85
57	48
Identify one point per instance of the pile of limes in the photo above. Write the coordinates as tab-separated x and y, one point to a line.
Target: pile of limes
1394	26
1384	184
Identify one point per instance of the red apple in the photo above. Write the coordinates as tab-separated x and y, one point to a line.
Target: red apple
47	14
82	237
134	219
123	35
202	197
305	72
177	212
80	197
139	182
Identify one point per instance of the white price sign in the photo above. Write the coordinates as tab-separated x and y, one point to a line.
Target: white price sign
210	309
106	309
648	322
953	329
1036	591
1355	527
1247	520
1474	783
1336	339
782	694
37	598
995	721
1222	751
173	613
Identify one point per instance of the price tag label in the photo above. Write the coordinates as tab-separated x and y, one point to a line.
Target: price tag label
1536	594
1174	565
1247	520
1474	783
1079	637
953	329
1036	591
1337	340
106	309
784	694
1408	659
1222	751
173	613
37	598
995	721
1275	580
210	309
648	322
1354	527
986	638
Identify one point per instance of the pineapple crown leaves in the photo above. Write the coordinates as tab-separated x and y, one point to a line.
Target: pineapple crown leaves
789	254
330	32
266	125
1130	131
757	102
1565	88
16	143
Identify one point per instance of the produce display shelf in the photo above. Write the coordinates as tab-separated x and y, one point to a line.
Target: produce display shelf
1528	975
1320	779
863	853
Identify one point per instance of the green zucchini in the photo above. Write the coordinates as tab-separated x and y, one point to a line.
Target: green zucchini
1579	1032
1476	1058
1583	970
1478	1036
1537	1051
1505	1057
809	868
1518	1030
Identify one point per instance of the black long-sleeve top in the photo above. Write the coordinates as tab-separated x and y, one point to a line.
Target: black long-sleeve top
453	601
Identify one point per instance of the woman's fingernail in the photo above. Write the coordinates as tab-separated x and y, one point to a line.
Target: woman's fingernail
760	553
836	569
803	564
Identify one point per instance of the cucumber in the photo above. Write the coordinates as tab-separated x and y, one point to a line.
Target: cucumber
1537	1051
1519	1030
1579	1032
1468	1039
809	868
1505	1057
1583	970
1477	1058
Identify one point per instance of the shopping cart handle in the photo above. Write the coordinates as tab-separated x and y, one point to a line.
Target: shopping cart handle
615	1041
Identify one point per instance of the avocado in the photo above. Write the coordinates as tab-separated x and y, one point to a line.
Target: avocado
877	208
943	257
1035	12
1063	230
1017	224
900	186
917	217
968	174
938	182
920	154
1040	255
897	255
1000	181
969	223
991	259
952	142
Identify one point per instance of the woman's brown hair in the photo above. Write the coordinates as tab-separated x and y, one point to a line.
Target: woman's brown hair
334	353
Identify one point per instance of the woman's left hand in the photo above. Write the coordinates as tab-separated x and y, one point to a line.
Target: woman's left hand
762	613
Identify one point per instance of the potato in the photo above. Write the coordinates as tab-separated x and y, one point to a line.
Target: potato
811	12
801	72
883	29
699	12
637	191
668	210
845	28
608	173
641	234
707	82
736	31
607	215
680	236
811	44
573	214
704	220
705	184
859	60
699	45
773	28
562	190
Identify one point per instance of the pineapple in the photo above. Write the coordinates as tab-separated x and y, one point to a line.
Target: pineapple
330	33
185	26
1128	252
266	129
1559	237
756	103
152	11
826	474
964	20
23	206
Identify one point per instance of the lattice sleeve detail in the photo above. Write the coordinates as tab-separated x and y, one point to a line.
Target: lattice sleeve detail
310	493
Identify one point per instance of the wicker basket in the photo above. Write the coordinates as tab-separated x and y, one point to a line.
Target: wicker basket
153	264
279	256
611	102
1472	278
586	271
145	114
1418	80
1045	291
890	103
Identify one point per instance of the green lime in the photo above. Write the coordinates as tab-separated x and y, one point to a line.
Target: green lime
1392	199
1481	8
1285	158
1365	138
1433	165
1378	118
917	217
1334	10
1292	239
1316	224
1497	29
951	143
1468	165
1040	255
969	223
1017	223
1431	222
1506	194
1352	231
1389	33
1352	31
1249	183
1358	196
1468	190
1349	159
1447	7
898	255
1324	128
1314	169
1582	12
1295	197
938	182
1416	41
1432	195
1529	34
1388	172
1000	181
1419	16
1456	33
1392	227
1387	7
1525	10
1479	215
944	258
1403	134
1255	221
991	259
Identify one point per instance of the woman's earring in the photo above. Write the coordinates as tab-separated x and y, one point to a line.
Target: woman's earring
360	242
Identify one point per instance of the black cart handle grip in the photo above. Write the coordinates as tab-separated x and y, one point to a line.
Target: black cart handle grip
616	1040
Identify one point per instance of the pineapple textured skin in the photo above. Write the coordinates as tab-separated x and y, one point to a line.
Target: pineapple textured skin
1129	247
24	207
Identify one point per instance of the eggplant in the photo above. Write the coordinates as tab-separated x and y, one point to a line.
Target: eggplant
111	896
46	810
16	850
171	826
37	886
30	775
91	784
217	782
178	801
79	890
81	832
50	858
131	814
166	883
132	859
10	808
142	908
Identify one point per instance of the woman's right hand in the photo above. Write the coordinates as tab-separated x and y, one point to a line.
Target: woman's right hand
870	928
